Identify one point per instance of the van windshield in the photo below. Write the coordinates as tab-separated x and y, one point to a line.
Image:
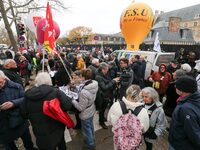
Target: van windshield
164	59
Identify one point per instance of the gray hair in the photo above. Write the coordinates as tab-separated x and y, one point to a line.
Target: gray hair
2	75
178	73
43	78
102	65
95	60
133	91
151	92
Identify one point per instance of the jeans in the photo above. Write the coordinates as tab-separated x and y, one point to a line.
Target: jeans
26	138
88	132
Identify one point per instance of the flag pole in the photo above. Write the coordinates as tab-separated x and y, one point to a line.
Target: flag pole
64	66
43	59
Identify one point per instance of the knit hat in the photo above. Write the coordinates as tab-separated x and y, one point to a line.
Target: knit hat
186	84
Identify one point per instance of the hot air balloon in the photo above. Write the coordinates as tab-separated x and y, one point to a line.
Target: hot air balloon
135	23
41	28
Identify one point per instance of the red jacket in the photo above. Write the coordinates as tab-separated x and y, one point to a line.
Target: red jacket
24	68
164	81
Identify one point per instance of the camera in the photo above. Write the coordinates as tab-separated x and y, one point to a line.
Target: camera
123	75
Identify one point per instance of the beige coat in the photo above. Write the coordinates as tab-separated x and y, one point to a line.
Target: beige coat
115	112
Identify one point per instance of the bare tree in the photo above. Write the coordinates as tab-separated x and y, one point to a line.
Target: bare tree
4	36
11	10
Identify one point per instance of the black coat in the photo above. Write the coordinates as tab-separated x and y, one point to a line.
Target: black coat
105	88
12	125
13	75
48	132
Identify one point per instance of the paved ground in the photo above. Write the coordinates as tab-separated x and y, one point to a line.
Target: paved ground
104	140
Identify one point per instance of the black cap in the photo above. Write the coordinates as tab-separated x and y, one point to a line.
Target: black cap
186	84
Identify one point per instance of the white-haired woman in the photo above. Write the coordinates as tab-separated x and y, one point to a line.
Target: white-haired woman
49	133
132	101
157	119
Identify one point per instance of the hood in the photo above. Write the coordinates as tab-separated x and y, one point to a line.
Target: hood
81	59
158	104
131	104
38	92
92	87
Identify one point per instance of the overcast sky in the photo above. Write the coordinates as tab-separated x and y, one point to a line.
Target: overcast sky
103	15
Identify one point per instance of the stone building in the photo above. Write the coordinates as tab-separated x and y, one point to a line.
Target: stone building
178	27
107	39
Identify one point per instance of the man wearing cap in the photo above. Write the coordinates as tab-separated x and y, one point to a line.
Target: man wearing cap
184	131
172	67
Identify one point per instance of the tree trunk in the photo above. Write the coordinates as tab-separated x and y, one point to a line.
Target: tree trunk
7	26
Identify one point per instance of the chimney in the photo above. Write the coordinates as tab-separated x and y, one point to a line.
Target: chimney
174	24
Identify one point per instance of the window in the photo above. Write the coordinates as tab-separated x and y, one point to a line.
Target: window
195	24
164	59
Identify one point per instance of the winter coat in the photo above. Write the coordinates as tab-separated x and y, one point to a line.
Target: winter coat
24	68
61	77
48	132
80	64
13	75
94	69
87	97
12	125
172	96
127	76
157	120
105	88
115	112
164	81
185	126
137	69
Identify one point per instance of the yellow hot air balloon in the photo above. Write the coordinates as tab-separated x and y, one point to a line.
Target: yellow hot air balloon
135	23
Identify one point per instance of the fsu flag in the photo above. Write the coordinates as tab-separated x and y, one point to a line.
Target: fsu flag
49	33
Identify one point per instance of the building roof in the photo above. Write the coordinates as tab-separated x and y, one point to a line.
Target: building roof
165	35
186	14
162	25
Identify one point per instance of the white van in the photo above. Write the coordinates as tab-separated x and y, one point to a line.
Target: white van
153	59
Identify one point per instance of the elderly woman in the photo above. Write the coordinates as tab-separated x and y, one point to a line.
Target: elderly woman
86	107
49	133
157	119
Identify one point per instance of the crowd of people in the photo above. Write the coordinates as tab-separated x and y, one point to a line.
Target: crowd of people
98	83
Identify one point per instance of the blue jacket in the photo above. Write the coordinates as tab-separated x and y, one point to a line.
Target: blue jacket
185	127
12	125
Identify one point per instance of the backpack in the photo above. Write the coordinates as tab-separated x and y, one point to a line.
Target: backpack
29	67
128	129
52	109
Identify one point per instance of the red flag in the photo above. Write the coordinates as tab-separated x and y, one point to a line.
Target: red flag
49	33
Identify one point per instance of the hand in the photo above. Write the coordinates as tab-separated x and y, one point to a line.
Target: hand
151	80
117	79
6	105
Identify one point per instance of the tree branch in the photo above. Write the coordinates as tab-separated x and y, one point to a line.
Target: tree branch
26	4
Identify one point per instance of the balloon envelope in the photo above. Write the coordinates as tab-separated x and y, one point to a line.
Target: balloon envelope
135	23
41	28
31	21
